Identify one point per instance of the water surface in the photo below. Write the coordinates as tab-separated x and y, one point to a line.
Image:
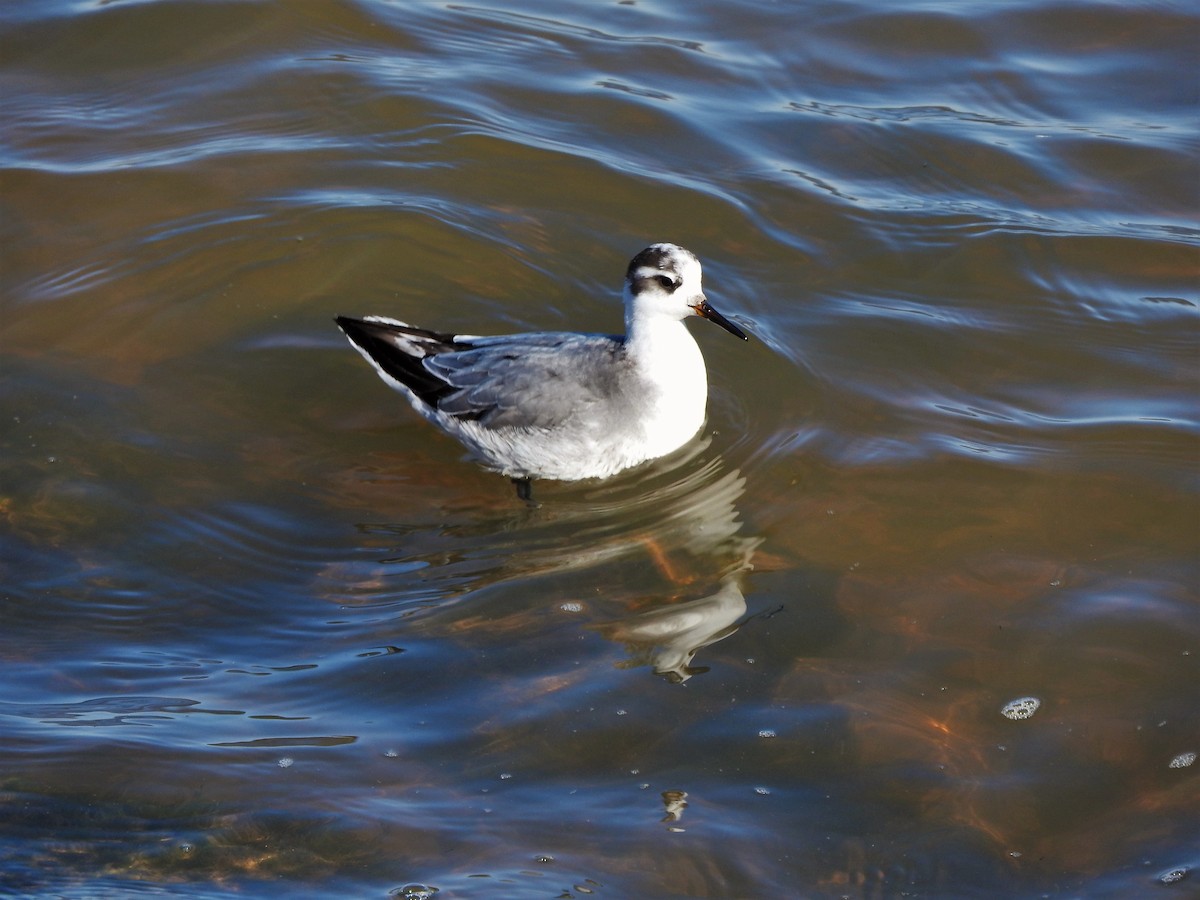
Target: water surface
265	631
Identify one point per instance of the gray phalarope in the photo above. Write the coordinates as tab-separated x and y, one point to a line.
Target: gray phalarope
561	405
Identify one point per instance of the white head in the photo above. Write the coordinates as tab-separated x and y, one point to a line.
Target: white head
664	280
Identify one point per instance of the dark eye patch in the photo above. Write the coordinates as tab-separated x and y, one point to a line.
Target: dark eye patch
668	282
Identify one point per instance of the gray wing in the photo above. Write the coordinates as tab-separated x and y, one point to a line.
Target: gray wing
528	380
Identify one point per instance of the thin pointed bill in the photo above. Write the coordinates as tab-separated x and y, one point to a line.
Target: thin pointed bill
705	309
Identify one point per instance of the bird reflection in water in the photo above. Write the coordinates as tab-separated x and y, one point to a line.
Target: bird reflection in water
676	519
668	636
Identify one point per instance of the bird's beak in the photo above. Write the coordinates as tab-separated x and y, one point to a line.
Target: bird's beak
705	309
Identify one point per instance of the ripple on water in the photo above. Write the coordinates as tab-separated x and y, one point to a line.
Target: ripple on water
958	457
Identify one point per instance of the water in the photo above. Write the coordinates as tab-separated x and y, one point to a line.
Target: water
265	632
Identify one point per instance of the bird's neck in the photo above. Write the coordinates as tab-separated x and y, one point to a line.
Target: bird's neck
667	374
663	350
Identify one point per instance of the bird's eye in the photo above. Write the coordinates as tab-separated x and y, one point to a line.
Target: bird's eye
667	281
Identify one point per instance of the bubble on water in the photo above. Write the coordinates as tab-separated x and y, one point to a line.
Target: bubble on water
544	859
622	712
286	762
413	892
1175	875
504	776
1182	761
767	733
1021	708
762	790
571	606
391	754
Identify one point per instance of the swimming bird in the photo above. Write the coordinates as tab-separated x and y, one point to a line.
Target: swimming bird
561	405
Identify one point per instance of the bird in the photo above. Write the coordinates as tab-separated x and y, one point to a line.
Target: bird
562	406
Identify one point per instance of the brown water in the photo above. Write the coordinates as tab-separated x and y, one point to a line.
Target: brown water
264	631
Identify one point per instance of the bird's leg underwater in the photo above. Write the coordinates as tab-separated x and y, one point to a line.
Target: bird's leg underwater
662	562
524	488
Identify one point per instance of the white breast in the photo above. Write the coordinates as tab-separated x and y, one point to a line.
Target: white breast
675	382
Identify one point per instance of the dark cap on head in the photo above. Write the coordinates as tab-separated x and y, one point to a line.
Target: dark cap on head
654	256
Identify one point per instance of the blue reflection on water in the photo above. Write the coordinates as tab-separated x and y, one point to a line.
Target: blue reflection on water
963	453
